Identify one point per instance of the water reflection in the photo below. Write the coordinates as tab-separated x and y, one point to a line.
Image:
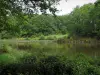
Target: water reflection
53	48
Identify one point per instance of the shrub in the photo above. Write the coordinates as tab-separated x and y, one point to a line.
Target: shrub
3	48
51	38
42	37
52	65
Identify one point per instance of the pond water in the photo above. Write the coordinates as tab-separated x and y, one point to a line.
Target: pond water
53	48
45	47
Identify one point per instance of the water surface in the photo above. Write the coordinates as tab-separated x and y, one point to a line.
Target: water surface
53	48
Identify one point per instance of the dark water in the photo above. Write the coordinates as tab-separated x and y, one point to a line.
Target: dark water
53	48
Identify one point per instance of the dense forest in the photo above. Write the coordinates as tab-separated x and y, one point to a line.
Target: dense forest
82	21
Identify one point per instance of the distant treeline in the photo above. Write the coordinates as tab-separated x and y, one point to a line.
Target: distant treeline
82	21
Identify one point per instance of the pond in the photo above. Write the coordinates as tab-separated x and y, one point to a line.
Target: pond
47	47
53	48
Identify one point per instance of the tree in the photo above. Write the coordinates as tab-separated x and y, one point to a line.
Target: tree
95	19
79	21
19	7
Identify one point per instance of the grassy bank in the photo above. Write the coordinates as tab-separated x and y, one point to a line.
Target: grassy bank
43	37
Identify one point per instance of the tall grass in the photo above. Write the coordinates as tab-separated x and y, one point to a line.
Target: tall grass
9	54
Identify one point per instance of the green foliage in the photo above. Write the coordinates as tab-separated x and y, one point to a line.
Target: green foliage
52	65
95	19
37	25
15	8
78	23
51	38
81	22
84	21
4	48
42	37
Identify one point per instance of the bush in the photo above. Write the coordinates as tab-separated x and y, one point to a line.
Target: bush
51	38
52	65
3	48
42	37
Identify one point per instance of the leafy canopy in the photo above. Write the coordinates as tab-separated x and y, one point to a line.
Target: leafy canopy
18	7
